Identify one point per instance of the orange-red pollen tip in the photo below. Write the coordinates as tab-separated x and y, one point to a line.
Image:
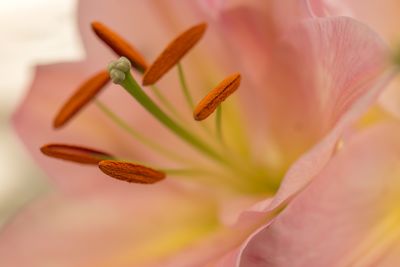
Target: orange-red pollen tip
120	46
216	96
74	153
173	53
130	172
85	93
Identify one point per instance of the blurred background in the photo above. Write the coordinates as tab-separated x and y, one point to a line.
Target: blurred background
32	32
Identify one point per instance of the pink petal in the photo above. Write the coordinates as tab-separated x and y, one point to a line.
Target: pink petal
385	21
325	8
310	164
104	229
383	17
329	223
318	103
212	7
353	91
160	225
391	258
301	109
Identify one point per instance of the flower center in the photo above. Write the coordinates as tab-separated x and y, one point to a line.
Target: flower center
218	162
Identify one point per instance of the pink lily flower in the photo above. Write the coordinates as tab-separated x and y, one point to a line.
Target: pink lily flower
306	78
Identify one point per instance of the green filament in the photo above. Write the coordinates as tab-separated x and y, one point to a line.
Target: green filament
138	136
133	88
164	101
218	123
184	87
188	96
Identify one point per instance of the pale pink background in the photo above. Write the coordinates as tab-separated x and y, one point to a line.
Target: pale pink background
31	32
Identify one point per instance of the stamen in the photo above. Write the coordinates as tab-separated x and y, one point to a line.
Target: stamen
216	96
120	46
130	172
85	93
73	153
173	53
